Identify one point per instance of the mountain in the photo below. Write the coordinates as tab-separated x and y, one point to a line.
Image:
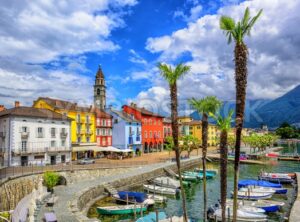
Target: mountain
269	112
283	109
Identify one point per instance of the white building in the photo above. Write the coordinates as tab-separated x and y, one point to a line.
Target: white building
31	136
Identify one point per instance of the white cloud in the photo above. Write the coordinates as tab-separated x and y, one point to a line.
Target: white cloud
43	42
136	58
40	31
273	52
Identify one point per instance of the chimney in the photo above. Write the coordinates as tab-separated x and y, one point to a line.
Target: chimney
17	104
2	107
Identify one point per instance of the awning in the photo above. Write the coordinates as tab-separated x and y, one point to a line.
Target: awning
113	149
100	149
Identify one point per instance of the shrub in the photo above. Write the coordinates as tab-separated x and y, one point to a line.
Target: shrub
50	179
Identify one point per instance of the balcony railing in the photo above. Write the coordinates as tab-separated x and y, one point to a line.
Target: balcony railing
63	134
39	148
24	135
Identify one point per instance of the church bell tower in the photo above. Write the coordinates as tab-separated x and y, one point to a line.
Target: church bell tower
99	90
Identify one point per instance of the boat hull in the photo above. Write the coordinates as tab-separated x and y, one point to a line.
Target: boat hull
106	211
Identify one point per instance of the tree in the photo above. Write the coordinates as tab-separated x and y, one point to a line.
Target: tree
224	125
237	31
172	75
50	180
189	143
209	104
169	145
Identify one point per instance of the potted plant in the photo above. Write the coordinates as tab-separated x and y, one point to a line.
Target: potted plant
50	180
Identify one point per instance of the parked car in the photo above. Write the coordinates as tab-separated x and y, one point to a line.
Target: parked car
86	161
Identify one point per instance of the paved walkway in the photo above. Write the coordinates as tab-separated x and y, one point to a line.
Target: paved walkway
295	212
68	193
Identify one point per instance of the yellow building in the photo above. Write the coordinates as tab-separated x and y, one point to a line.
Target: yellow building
184	119
82	126
188	126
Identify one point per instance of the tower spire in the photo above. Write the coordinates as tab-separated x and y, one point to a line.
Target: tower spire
100	89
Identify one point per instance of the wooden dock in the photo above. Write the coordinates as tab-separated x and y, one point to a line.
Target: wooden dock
217	157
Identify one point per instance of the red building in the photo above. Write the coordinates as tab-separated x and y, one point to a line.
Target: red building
103	128
152	127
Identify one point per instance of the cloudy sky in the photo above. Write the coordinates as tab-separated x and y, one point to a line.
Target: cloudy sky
53	48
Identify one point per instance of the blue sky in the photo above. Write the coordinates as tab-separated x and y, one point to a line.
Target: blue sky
54	49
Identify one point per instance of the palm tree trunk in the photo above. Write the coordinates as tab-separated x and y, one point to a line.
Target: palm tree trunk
173	94
223	172
204	151
241	54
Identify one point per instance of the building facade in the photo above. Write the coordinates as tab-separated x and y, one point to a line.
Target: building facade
83	135
126	131
152	127
100	90
167	127
103	128
31	136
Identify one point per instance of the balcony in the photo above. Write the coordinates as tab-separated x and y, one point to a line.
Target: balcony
78	132
36	147
25	135
63	135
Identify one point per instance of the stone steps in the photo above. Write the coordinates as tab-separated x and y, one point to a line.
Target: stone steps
110	189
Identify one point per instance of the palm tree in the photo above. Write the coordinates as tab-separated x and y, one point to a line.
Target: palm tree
224	125
172	75
237	31
209	104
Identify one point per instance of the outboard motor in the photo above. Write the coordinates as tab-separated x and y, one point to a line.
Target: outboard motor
210	212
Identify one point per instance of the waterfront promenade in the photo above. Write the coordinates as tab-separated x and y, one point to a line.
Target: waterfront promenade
295	212
68	195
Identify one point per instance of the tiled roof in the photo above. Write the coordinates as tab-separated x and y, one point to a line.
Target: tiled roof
102	114
144	111
61	104
33	112
125	116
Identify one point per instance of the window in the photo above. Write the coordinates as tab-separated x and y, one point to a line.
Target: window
98	132
198	127
24	145
103	132
150	134
146	134
154	134
98	91
98	122
24	129
138	131
53	143
130	131
88	139
108	141
63	143
87	119
40	132
108	122
158	134
103	122
78	139
116	121
154	122
145	121
63	130
53	132
150	121
78	117
104	141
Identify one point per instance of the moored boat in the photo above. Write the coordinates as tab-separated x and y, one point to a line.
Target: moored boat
262	183
189	178
268	207
166	182
211	171
139	197
258	189
242	216
276	177
253	195
121	209
199	175
277	190
157	198
160	190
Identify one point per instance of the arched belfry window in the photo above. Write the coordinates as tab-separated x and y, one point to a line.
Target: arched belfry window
98	92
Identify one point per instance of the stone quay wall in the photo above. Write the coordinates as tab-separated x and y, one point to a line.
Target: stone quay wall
88	196
295	212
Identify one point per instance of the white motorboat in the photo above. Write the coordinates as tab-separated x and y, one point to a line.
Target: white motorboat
157	198
160	190
258	189
242	216
166	182
253	195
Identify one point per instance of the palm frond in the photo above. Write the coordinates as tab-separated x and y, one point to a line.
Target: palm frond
227	23
209	104
170	74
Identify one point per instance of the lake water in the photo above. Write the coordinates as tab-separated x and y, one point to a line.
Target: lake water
194	193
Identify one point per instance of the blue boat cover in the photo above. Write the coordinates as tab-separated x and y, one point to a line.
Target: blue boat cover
138	196
262	183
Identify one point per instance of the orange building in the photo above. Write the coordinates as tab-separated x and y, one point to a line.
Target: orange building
152	127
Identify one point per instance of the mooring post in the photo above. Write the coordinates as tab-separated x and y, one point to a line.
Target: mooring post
156	214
